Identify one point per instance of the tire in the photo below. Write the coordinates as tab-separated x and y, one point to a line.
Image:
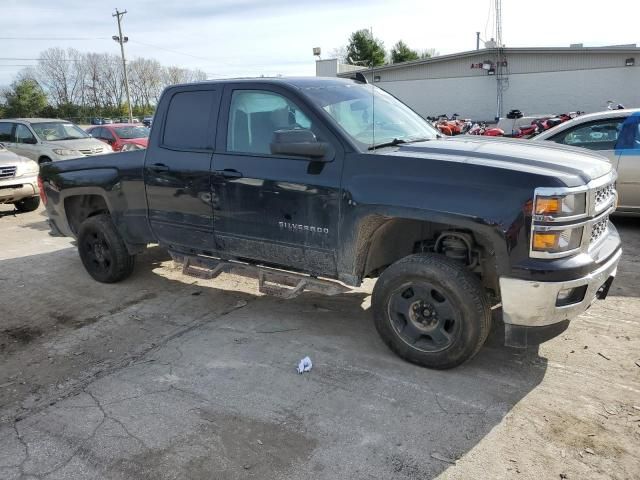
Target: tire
28	204
431	311
102	250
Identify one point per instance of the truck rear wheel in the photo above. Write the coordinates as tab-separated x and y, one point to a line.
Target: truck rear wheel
28	204
431	311
102	250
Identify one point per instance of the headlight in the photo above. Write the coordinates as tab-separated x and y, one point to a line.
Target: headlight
27	168
561	206
556	241
65	152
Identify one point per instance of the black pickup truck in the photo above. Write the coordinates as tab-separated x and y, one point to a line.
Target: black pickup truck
316	184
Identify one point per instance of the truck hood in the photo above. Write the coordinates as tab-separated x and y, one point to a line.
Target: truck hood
79	144
572	165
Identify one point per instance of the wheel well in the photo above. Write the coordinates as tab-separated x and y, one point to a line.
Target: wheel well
396	238
79	208
43	159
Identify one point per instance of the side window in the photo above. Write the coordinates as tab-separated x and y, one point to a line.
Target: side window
24	135
5	132
255	115
597	135
106	134
96	132
189	119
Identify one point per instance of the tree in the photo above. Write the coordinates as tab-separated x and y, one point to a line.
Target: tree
365	50
429	52
402	53
25	98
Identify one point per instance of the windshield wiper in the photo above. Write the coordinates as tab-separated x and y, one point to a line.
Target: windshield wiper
392	143
398	141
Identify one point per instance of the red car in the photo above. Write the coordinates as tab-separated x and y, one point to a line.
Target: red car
133	135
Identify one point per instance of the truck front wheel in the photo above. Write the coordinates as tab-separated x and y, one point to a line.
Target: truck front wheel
431	311
102	250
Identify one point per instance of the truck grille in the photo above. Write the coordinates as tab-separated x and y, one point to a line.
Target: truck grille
598	229
604	195
91	151
7	172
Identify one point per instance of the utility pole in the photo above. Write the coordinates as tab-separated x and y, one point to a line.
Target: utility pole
122	40
502	79
477	40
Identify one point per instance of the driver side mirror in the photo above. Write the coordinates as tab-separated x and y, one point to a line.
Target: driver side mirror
30	141
300	142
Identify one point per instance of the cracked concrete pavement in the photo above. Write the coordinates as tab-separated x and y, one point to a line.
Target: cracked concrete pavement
163	376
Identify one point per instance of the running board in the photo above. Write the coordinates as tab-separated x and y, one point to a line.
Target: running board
273	282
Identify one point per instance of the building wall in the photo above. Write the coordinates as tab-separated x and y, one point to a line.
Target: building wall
532	93
538	83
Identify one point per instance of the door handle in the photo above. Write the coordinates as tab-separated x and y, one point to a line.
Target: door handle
228	173
159	167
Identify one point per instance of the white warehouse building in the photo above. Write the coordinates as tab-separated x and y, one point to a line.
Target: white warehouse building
534	80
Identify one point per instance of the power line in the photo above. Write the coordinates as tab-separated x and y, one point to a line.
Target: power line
54	38
36	59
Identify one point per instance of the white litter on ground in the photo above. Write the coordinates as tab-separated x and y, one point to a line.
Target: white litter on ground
305	365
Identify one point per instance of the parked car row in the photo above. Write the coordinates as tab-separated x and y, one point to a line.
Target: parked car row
109	121
614	134
122	136
47	139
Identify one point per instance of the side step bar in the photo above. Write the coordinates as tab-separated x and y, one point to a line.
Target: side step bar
273	282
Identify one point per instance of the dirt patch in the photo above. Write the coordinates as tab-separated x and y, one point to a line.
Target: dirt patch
22	335
130	303
225	447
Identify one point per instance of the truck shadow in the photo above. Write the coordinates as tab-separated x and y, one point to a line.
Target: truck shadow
359	401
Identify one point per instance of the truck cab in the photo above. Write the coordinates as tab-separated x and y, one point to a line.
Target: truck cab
334	180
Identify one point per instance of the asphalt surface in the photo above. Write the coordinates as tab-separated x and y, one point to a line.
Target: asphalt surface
164	376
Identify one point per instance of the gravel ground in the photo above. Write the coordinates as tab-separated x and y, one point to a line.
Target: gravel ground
164	376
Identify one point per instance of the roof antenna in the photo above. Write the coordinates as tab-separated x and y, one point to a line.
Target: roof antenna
373	99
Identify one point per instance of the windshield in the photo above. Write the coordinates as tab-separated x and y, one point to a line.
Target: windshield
371	116
54	131
132	132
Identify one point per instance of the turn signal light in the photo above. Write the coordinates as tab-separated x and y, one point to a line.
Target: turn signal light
548	205
545	241
43	194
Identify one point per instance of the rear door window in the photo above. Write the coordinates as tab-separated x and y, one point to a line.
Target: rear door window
24	135
190	121
5	132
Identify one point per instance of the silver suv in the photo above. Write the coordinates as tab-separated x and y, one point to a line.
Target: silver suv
47	140
18	181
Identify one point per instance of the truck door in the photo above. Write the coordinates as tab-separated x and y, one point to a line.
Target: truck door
274	208
177	168
25	142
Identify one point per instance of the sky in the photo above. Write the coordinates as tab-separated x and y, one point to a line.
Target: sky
230	38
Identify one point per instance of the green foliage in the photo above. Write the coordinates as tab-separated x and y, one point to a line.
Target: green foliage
365	50
25	98
402	53
429	53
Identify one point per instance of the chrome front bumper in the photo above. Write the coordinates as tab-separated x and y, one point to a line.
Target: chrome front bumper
15	189
534	304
